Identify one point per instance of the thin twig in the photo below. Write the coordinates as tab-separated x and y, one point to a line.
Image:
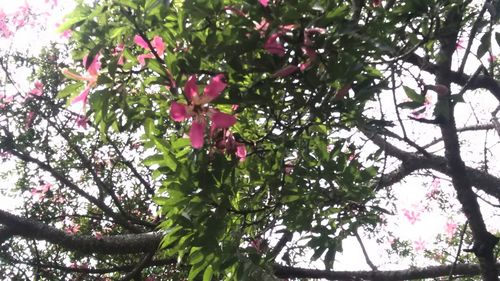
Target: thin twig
365	253
462	234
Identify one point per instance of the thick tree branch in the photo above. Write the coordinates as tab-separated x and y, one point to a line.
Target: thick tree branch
87	244
484	242
394	275
413	162
481	81
148	242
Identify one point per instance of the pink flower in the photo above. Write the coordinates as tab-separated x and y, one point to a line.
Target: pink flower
98	235
157	44
412	216
90	78
459	44
38	90
72	229
5	100
273	46
118	51
264	3
29	119
196	133
198	109
39	192
262	26
82	121
451	228
492	58
241	151
226	142
419	245
4	28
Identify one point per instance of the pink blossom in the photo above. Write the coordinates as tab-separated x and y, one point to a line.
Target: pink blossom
118	51
98	235
492	58
215	87
196	133
156	43
459	44
178	111
273	46
90	78
264	3
198	109
241	151
311	56
223	120
82	121
226	142
4	28
412	216
262	26
38	90
39	192
391	240
29	119
451	228
5	100
419	245
72	229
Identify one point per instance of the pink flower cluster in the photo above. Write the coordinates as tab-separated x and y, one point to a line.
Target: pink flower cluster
10	23
157	44
198	109
412	215
40	192
274	46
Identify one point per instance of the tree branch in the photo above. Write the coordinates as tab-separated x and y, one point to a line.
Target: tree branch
86	244
390	275
412	162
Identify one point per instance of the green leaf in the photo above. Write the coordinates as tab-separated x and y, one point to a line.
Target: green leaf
410	93
410	105
69	90
154	65
207	275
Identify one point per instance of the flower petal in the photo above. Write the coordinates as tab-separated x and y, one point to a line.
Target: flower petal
215	87
264	2
223	120
241	151
196	134
191	89
158	45
272	45
178	111
94	67
286	71
142	58
139	41
83	96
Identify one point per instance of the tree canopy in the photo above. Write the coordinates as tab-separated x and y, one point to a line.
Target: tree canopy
249	140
